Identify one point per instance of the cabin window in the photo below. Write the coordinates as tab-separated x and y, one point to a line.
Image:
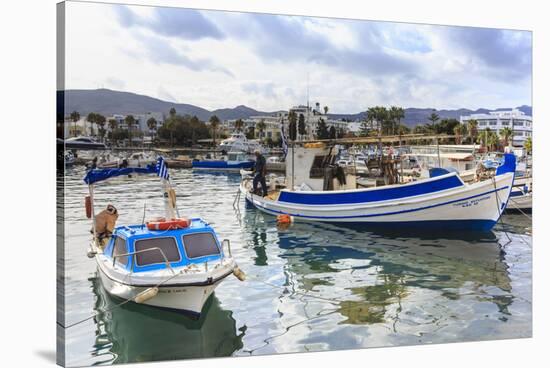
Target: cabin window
154	256
120	248
200	245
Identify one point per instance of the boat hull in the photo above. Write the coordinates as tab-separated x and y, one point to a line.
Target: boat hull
475	207
182	294
222	165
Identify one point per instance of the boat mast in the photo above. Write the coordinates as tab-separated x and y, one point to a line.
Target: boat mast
91	190
169	199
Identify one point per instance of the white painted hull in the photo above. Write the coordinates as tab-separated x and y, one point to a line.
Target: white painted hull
475	205
187	292
523	202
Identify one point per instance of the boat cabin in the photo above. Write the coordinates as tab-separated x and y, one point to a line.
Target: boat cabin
136	248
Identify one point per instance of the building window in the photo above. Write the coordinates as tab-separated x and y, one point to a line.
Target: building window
505	122
518	123
482	123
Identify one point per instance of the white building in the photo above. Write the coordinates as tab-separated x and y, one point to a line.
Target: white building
521	124
272	130
141	121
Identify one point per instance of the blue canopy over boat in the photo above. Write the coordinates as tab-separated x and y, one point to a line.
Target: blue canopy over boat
95	175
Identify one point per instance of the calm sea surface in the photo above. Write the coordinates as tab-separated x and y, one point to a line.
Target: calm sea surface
309	287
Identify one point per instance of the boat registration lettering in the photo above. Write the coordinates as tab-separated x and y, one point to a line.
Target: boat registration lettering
171	291
471	202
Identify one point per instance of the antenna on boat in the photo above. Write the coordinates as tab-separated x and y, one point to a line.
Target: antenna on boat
143	219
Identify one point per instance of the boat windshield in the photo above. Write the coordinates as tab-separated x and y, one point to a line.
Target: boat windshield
167	245
200	245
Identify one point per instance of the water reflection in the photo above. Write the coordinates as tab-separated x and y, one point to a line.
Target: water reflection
370	274
139	333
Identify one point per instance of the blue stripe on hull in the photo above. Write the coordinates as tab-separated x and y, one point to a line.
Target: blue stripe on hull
367	196
222	165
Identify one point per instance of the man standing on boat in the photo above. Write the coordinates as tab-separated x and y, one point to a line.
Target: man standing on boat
260	170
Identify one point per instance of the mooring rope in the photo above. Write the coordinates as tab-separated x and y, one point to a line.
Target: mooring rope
121	303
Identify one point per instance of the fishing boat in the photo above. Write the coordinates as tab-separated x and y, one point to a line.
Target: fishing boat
171	262
313	193
233	161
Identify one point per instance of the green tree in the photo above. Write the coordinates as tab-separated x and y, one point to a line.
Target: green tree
325	109
130	121
506	133
261	128
302	125
214	124
100	122
172	112
396	114
75	116
91	118
433	118
292	118
152	124
459	132
332	132
528	145
322	130
471	125
239	124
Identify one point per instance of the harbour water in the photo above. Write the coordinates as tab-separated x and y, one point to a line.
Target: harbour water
309	287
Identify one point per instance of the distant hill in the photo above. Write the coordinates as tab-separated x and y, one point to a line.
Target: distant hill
415	116
109	102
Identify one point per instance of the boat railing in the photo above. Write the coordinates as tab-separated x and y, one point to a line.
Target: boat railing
143	251
227	243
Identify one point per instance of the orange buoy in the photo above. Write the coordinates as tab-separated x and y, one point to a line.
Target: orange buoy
284	219
88	204
162	224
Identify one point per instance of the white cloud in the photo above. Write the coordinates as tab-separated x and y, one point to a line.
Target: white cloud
218	59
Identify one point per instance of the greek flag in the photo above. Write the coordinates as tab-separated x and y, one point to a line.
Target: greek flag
162	169
283	138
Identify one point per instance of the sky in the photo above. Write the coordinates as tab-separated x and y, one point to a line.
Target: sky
216	59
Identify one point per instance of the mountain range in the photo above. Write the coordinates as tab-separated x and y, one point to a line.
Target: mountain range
109	102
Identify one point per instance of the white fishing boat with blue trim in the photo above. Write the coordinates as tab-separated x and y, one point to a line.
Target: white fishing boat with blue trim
171	262
440	202
233	161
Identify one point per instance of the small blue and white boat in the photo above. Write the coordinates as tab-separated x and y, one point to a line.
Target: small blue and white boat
233	161
172	262
440	202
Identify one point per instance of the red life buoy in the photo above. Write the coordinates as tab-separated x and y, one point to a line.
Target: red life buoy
88	204
176	223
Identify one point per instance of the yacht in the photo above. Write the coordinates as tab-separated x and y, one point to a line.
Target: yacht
238	142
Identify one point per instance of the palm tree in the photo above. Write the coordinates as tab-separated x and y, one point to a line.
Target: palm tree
459	131
528	145
75	116
130	121
371	117
261	127
112	125
506	133
325	109
152	124
100	121
91	118
239	125
214	123
396	114
172	112
472	129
